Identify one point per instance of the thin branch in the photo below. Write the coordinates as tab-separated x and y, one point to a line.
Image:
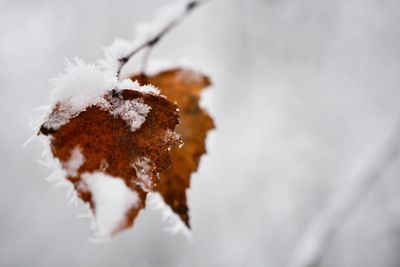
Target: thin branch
190	6
320	233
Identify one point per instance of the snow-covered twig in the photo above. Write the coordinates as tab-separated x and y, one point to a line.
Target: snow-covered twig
317	238
151	42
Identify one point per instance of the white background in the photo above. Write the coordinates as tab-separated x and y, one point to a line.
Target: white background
304	91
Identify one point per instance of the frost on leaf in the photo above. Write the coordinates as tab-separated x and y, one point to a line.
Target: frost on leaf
133	112
112	200
113	152
183	86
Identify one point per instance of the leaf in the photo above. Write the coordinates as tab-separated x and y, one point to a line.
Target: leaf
128	137
183	86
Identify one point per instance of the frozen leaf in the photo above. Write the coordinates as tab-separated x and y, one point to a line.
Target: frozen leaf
183	86
113	152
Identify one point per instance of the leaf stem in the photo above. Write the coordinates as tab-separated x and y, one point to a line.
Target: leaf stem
190	6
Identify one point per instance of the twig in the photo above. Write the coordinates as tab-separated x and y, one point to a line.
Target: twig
316	240
190	6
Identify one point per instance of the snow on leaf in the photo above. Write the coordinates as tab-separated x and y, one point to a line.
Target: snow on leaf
74	162
174	223
83	85
108	138
134	112
112	53
112	200
147	88
143	167
115	140
183	86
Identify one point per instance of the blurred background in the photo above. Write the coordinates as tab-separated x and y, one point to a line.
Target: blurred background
305	93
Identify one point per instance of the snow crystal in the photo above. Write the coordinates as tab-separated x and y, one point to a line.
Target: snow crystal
134	112
170	137
57	176
74	162
112	200
40	115
59	118
134	85
127	84
148	89
174	223
83	85
118	49
143	169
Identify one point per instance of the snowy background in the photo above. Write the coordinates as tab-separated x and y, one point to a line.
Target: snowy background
304	94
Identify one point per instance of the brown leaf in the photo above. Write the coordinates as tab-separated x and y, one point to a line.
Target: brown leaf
109	144
183	86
